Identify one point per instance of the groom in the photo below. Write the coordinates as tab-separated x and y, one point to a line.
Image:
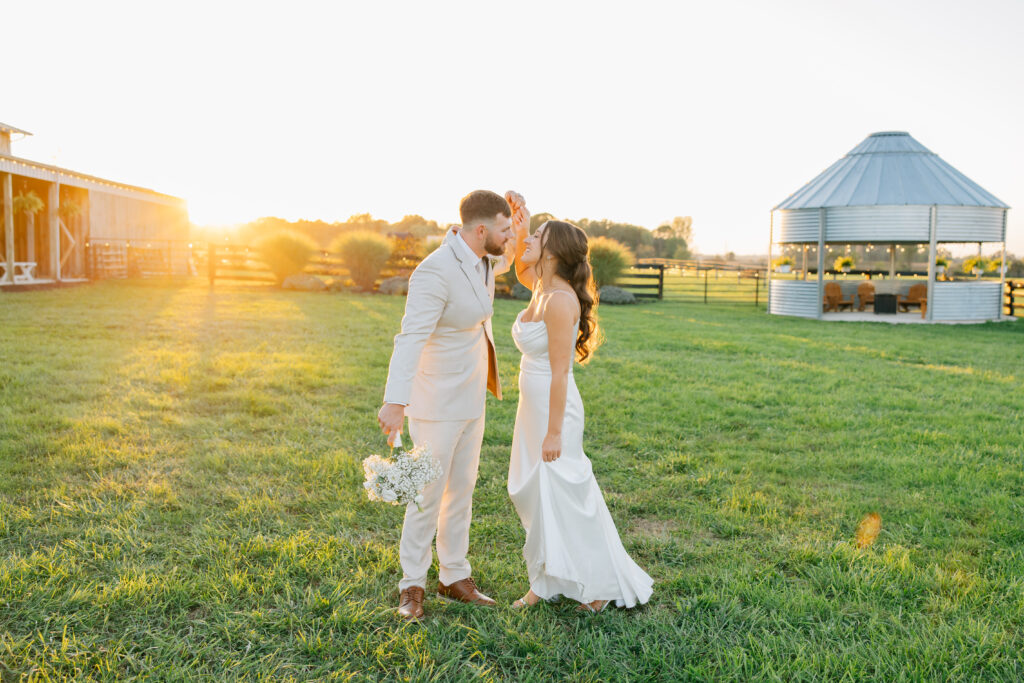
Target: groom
442	365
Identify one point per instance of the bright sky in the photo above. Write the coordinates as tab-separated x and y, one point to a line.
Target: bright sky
635	111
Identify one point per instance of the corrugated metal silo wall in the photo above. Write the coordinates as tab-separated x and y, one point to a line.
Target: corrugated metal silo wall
966	300
800	225
970	224
878	224
794	297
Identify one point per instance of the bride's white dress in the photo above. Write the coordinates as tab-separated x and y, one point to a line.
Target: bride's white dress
572	546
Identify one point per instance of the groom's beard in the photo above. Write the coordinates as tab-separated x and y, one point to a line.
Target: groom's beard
493	247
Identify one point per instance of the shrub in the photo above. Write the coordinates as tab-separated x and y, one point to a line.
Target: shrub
616	295
608	259
521	292
286	252
364	254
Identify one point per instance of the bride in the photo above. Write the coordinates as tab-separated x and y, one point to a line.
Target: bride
572	546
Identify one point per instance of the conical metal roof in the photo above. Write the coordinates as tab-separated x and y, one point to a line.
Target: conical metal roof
890	168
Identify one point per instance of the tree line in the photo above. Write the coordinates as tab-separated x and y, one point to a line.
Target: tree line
669	240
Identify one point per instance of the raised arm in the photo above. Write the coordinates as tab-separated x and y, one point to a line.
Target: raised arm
521	227
559	315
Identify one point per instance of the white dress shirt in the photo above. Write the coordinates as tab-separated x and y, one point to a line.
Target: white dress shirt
480	261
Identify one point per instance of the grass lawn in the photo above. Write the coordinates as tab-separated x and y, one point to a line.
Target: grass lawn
180	496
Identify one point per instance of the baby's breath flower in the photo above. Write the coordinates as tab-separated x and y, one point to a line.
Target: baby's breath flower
400	481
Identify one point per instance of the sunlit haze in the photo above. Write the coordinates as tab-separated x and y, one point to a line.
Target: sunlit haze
635	112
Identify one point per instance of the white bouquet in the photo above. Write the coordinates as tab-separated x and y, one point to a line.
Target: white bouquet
401	480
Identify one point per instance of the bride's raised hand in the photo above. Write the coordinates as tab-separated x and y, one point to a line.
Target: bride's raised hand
520	214
521	222
551	448
515	200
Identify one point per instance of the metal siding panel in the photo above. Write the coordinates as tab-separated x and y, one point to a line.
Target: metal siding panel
797	226
794	297
966	301
877	224
970	224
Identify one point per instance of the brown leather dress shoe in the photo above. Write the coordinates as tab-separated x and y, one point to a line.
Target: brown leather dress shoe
464	591
410	605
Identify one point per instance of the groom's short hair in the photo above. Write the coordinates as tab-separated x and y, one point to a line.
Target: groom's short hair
483	205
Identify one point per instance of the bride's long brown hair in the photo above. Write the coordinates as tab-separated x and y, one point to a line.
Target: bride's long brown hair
568	244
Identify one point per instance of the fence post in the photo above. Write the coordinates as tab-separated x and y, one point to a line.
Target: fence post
705	285
661	281
757	287
211	261
1009	297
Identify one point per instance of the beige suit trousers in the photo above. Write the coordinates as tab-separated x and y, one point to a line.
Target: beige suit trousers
447	502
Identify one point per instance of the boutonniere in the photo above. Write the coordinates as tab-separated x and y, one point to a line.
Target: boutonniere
492	259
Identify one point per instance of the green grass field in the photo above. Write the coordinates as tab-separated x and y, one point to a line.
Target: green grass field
180	496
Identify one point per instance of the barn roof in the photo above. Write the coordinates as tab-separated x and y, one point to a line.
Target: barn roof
890	168
4	128
34	169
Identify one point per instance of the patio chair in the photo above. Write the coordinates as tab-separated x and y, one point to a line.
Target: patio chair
866	295
917	296
834	300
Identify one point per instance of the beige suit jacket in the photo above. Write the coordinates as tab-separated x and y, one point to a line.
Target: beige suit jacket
443	360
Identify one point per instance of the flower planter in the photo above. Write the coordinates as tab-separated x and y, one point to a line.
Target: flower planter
783	269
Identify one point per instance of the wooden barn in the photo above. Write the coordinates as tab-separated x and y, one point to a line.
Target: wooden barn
63	226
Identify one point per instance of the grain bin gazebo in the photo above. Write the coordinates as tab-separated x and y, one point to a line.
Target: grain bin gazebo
890	189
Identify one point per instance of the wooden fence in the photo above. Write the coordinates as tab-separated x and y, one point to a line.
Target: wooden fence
119	258
699	281
660	279
242	263
644	280
1013	297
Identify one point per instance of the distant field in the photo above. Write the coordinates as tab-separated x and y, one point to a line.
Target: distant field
180	496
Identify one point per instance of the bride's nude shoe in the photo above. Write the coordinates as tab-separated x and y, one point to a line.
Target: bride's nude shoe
524	602
589	607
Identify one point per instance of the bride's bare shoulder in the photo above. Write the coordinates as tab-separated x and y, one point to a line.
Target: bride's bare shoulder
559	309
